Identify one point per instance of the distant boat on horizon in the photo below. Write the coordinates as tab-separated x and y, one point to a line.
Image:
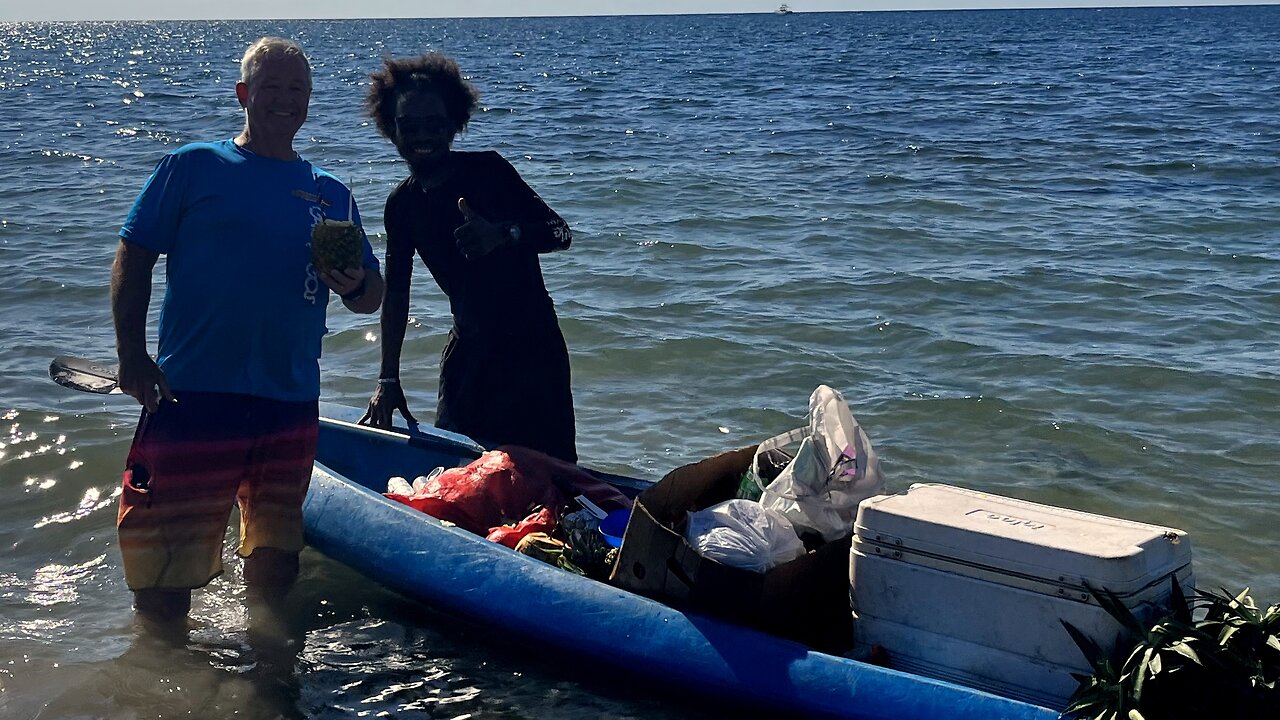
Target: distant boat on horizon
783	9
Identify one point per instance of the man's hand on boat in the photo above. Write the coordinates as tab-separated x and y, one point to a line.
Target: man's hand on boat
388	398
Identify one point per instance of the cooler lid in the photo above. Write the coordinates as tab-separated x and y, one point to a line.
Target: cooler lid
1052	544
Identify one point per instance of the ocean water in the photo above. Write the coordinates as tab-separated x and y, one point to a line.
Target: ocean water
1038	250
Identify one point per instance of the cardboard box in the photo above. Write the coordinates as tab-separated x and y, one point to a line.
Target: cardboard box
806	600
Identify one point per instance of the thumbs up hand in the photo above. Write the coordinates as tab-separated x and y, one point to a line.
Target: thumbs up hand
476	236
467	213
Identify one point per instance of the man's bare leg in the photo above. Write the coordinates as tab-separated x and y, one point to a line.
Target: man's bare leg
270	573
275	637
162	605
163	613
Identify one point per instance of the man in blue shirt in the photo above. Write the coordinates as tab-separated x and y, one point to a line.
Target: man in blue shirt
230	402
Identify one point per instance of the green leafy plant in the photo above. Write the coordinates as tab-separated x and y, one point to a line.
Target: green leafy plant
1225	665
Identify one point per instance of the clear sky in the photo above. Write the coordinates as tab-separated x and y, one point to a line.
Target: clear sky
284	9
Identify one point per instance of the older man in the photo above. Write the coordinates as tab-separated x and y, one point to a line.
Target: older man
230	401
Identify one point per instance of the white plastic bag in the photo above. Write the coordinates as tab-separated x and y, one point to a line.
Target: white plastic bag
743	534
834	469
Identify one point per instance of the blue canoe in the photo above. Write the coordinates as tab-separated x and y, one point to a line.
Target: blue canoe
451	569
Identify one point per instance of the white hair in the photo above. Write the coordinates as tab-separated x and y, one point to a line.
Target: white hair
269	46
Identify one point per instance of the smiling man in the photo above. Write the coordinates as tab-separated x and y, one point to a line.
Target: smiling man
479	228
229	402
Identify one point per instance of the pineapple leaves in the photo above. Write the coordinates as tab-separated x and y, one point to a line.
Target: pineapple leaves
1186	651
1226	664
1092	651
1181	608
1116	608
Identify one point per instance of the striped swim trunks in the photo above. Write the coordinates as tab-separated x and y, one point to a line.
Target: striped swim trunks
190	462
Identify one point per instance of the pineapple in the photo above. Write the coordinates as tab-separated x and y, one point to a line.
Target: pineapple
335	245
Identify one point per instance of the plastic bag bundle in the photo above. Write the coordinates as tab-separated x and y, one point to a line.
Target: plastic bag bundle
397	485
834	469
743	534
502	485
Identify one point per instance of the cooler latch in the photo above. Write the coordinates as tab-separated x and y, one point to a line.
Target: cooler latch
886	545
1073	588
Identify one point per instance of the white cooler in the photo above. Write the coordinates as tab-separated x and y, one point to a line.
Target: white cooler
973	588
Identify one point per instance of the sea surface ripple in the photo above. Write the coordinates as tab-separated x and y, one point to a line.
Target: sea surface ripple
1036	249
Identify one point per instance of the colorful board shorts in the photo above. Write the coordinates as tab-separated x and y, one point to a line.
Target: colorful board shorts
190	462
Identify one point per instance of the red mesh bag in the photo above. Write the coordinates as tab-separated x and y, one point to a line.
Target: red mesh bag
504	486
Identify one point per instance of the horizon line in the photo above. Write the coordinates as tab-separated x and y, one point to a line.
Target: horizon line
1108	6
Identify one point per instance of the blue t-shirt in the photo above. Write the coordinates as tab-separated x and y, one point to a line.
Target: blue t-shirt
244	309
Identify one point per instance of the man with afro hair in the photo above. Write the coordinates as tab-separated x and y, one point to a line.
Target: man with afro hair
479	228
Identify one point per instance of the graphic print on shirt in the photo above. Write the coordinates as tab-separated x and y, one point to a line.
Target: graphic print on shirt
312	285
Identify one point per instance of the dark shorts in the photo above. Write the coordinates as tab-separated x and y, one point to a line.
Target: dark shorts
512	389
190	462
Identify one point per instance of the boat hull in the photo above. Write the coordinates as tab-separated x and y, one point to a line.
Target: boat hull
450	569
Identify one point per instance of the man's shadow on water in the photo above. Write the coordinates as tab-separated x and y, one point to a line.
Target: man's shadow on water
195	668
254	673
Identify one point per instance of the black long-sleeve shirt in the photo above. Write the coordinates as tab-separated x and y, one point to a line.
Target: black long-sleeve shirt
501	291
504	374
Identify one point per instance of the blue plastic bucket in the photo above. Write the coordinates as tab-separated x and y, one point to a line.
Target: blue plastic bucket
614	525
